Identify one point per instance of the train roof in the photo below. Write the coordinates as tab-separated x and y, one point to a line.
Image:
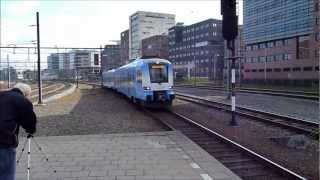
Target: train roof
143	60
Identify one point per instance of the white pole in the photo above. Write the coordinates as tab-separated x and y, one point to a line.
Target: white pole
29	158
265	64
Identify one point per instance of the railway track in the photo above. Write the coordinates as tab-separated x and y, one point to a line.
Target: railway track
292	94
290	123
242	161
48	90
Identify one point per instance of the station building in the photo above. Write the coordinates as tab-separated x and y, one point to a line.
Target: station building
282	41
197	49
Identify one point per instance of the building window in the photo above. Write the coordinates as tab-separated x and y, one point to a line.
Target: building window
286	69
317	68
277	69
307	68
279	43
254	70
261	70
270	58
286	41
295	69
262	59
279	57
286	56
270	44
269	70
262	45
246	70
255	47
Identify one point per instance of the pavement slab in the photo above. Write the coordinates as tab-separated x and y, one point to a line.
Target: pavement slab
137	156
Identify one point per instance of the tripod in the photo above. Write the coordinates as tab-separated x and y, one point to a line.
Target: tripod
28	140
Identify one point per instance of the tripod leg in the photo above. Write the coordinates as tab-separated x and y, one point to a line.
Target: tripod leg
22	150
29	154
40	149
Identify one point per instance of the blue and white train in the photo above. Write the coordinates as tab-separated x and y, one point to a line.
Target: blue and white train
147	81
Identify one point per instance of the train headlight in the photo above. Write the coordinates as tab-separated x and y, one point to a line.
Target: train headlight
146	88
170	87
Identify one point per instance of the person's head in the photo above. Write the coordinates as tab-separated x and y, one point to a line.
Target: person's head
25	89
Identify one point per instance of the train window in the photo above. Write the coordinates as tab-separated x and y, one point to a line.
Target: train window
158	73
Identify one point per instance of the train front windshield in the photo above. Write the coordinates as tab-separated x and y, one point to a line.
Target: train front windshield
158	73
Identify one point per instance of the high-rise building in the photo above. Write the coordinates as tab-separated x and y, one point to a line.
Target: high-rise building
197	49
110	57
157	45
281	42
145	24
124	47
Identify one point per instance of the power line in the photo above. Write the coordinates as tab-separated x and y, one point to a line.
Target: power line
26	47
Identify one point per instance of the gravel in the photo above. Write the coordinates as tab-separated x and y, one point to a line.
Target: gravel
92	111
258	137
299	108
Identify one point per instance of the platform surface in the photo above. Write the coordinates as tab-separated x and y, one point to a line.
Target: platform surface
140	156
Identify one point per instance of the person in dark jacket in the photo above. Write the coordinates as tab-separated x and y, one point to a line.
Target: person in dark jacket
15	111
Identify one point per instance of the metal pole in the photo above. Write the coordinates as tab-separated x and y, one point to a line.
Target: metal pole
265	65
228	78
77	77
39	67
233	121
29	158
8	71
195	70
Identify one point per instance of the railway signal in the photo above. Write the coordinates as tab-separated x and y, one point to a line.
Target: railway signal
230	32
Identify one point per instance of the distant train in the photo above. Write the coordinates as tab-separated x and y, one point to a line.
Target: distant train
147	81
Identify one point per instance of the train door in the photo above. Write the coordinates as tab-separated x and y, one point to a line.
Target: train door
138	83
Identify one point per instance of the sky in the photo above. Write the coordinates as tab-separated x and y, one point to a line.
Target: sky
84	23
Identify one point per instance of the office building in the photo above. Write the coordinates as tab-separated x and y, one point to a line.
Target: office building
111	57
281	41
145	24
197	49
157	46
57	61
124	47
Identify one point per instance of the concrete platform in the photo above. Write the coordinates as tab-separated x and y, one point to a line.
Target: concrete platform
139	156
